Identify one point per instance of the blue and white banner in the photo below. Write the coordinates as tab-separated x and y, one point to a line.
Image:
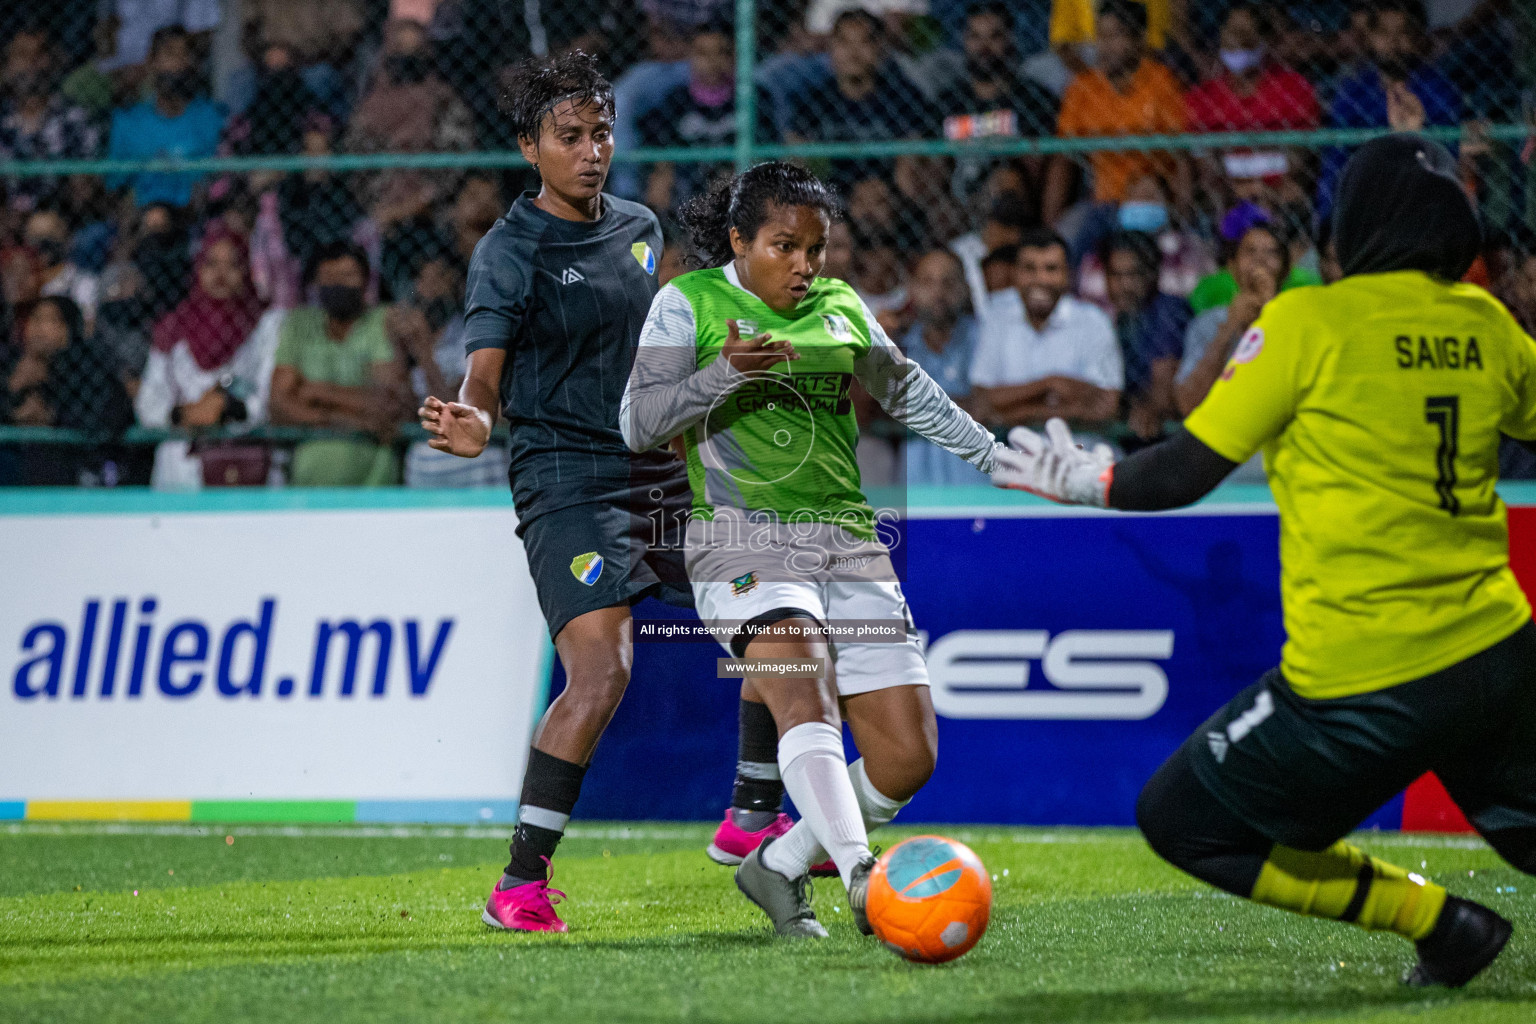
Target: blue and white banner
285	653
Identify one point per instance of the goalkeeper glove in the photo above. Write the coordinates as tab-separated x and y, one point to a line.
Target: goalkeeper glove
1055	467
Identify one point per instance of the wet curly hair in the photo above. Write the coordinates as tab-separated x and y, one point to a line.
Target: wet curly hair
537	85
744	202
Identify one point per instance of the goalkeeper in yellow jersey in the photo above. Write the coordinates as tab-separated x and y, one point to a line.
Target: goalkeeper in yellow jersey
1378	402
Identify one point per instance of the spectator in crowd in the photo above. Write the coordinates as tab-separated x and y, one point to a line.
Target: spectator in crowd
478	205
1128	93
837	259
141	22
1042	352
162	255
211	362
428	334
55	376
320	35
308	209
1517	287
879	274
36	123
639	90
90	86
699	112
335	367
993	99
866	99
1252	91
1007	218
998	270
47	236
1396	86
283	107
941	340
1219	288
1149	324
1260	267
1186	258
408	108
176	122
924	202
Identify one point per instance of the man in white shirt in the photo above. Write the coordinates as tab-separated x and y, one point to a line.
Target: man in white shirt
1042	352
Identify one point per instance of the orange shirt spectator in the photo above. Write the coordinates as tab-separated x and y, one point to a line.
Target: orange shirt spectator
1148	103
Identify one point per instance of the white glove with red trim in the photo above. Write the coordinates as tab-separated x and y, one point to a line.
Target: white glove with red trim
1054	466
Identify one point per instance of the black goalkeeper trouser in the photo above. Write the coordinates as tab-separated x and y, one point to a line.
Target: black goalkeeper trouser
1304	773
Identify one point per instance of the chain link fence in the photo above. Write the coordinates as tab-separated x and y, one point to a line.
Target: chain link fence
185	181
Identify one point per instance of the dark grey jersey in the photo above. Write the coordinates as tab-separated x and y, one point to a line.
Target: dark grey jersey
566	301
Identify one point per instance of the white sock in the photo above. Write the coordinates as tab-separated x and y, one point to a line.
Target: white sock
815	772
797	850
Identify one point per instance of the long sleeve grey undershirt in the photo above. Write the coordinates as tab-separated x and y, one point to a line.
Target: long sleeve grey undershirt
666	395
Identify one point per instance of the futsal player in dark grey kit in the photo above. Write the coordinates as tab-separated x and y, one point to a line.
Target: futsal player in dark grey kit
557	293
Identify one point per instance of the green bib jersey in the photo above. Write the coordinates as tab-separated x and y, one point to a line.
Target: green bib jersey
780	442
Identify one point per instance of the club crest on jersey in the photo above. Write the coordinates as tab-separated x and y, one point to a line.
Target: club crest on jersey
838	326
744	584
1247	351
587	568
644	256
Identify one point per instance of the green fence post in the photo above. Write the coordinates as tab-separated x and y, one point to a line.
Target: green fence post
746	90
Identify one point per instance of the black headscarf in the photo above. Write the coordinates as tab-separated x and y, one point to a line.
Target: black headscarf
1401	207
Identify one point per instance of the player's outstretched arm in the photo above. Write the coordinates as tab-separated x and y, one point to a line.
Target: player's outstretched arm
1170	474
917	401
464	427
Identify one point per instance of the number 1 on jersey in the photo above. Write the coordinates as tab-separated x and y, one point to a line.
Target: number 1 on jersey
1445	412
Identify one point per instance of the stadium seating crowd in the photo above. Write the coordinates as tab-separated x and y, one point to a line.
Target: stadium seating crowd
174	300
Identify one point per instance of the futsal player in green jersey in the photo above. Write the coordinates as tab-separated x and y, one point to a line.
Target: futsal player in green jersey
751	361
1378	402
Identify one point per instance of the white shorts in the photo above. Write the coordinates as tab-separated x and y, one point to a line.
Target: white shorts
735	585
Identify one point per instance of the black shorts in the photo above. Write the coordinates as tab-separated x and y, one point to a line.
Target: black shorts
1305	773
613	552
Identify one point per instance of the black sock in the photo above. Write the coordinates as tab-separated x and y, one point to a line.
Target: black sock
759	793
550	789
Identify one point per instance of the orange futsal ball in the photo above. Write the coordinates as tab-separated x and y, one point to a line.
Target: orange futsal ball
929	899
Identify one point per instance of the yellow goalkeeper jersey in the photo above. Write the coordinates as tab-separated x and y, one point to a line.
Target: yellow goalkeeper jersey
1378	403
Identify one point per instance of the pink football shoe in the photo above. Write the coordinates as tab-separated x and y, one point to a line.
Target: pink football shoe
529	907
733	843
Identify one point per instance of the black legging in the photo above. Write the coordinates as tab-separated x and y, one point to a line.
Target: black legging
1190	829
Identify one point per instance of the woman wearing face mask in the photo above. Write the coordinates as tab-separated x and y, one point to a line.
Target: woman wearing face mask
1249	91
1186	257
336	368
210	364
38	124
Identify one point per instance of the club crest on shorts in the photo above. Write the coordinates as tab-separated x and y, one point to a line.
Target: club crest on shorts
838	326
587	568
744	584
644	256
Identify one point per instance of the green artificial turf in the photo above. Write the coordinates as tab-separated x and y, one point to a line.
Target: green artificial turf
370	924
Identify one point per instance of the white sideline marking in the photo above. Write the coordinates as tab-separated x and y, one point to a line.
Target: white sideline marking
612	832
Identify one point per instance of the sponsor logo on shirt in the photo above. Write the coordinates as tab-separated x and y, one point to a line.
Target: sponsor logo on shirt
644	256
570	275
744	584
838	326
746	328
587	568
